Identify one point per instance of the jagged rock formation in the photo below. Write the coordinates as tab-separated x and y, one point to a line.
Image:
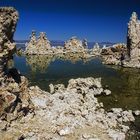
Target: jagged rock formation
113	55
42	46
14	99
85	43
133	42
8	20
96	51
38	46
43	43
31	46
104	47
133	36
57	50
75	45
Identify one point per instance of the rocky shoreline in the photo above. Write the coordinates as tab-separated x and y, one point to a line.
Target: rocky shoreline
68	113
64	113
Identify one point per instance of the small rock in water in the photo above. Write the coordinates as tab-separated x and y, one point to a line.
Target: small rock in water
107	92
137	112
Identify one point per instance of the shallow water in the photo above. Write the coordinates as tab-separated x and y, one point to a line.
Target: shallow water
123	82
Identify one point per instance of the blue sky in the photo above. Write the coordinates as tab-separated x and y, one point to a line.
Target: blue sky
96	20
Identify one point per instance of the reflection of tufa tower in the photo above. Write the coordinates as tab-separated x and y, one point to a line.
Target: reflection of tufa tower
39	62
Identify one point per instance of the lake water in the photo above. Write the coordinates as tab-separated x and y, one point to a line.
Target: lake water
123	82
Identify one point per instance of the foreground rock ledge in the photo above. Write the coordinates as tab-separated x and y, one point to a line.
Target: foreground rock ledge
71	112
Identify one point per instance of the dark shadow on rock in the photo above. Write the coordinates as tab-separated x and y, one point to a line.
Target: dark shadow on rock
15	75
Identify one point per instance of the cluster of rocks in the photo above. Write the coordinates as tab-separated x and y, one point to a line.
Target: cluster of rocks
71	112
113	55
40	45
128	55
75	45
96	51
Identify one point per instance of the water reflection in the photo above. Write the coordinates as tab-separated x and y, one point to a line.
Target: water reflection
42	62
125	89
133	79
74	57
39	63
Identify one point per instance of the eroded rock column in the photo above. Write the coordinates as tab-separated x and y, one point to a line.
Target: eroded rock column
14	99
8	22
133	36
133	42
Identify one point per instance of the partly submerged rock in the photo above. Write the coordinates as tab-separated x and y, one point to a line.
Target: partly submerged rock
113	55
137	112
75	45
96	51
